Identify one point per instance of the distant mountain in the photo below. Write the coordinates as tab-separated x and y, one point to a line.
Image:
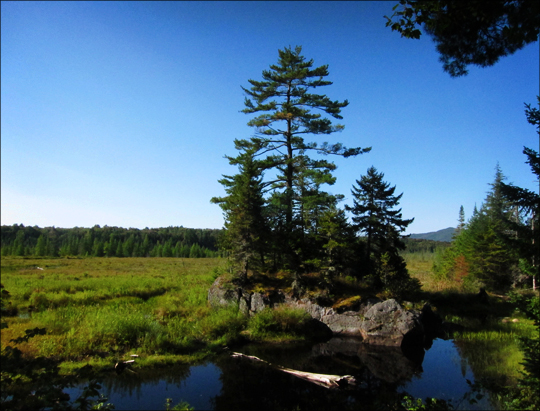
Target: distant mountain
441	235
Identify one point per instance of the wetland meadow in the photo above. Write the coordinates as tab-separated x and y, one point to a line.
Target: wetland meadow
104	311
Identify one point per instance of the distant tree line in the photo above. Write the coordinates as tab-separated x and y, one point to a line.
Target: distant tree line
18	240
420	245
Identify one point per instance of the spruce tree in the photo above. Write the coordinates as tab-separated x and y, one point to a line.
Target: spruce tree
480	251
41	246
461	221
526	242
491	260
375	218
247	231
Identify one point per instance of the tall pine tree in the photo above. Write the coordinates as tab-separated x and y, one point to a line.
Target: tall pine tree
287	110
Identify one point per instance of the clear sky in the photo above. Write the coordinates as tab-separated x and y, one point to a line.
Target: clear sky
120	113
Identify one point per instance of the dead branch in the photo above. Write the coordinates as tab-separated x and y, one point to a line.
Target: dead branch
324	380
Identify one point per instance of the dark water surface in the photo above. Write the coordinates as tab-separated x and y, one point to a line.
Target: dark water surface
227	383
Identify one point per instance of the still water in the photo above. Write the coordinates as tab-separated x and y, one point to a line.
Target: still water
238	384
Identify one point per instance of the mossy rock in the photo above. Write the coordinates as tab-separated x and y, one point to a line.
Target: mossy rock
347	304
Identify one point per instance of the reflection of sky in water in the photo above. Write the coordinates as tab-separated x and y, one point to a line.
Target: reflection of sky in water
444	376
202	384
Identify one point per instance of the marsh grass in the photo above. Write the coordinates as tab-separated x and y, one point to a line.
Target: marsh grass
489	341
100	310
112	306
280	324
420	266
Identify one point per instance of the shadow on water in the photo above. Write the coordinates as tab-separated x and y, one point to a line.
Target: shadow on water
228	383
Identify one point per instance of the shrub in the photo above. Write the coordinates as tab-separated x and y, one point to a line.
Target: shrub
278	322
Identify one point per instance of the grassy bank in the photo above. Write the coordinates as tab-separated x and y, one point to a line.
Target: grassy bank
101	310
487	333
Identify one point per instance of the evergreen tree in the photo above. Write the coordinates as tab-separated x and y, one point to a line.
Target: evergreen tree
480	251
18	245
195	251
461	221
247	231
41	246
145	248
336	237
490	258
127	247
119	250
167	249
184	251
285	108
472	32
375	218
97	248
526	242
86	243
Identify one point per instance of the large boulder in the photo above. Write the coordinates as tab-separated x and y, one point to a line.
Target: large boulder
345	323
223	293
378	323
387	323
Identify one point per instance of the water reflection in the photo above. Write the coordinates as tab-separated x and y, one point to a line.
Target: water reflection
232	383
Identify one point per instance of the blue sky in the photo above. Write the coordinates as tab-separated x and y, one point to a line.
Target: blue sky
120	113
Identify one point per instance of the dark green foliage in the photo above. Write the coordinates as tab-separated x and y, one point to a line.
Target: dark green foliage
417	245
18	240
409	403
499	245
479	251
527	207
278	216
526	396
247	232
472	32
287	111
376	220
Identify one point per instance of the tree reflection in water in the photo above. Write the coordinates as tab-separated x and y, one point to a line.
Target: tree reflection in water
249	385
227	383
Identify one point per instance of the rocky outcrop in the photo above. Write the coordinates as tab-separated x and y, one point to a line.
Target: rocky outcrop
387	323
345	323
377	322
221	294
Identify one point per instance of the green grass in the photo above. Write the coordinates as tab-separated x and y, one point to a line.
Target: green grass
490	339
101	310
114	306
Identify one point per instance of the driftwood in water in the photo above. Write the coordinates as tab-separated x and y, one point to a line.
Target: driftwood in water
123	365
324	380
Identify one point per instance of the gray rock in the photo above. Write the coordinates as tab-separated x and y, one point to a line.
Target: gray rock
258	302
347	323
222	294
378	323
387	323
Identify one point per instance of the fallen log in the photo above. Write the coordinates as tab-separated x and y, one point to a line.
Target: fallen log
324	380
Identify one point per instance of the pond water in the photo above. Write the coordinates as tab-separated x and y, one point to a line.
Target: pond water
227	383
